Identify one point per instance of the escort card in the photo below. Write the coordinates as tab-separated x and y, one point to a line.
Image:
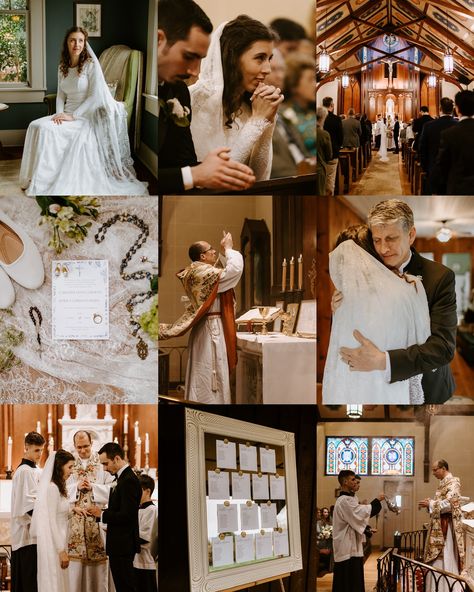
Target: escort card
218	484
226	454
244	548
267	460
80	299
223	551
247	457
227	520
249	517
260	486
241	486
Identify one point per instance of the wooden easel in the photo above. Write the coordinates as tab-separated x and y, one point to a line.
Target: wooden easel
251	584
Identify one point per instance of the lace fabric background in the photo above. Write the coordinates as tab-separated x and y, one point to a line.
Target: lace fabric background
85	371
384	308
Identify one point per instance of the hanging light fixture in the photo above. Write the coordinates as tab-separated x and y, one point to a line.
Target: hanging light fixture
432	80
324	61
354	411
448	60
345	80
444	234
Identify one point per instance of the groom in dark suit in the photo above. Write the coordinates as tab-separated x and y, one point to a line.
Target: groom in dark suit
393	233
183	40
121	517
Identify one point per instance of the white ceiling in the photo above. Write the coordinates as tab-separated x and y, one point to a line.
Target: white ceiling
428	211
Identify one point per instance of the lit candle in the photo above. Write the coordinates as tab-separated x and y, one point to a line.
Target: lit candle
138	452
300	272
125	424
292	274
9	453
50	424
51	445
283	275
137	434
147	443
38	427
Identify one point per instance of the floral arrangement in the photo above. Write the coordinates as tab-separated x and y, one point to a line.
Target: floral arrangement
64	215
149	320
9	338
326	533
175	111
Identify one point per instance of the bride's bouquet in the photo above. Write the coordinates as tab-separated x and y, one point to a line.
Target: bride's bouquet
326	533
66	216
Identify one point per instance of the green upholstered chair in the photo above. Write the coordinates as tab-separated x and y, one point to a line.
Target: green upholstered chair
123	71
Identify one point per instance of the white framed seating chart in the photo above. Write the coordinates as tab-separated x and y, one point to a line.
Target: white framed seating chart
242	502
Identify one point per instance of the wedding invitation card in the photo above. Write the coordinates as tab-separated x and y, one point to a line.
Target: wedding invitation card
80	299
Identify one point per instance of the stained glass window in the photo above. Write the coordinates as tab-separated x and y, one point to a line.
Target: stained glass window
392	456
347	453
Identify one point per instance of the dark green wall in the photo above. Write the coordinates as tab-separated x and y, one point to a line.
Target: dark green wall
122	22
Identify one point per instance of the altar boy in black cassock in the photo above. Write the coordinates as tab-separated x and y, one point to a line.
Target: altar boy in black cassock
350	521
24	489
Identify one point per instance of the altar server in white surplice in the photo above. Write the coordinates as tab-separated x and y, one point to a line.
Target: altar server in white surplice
88	483
144	563
350	521
24	490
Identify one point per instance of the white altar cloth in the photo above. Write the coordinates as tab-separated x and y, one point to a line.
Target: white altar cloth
286	371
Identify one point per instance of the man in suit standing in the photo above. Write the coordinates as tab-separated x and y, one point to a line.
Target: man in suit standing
418	125
121	517
396	134
333	125
430	140
351	130
183	41
454	169
393	233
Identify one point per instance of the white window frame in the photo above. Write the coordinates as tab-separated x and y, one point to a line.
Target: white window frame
34	90
151	83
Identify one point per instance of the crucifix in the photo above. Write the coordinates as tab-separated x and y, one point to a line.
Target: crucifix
390	62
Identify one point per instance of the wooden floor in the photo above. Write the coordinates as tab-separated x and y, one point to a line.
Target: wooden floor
324	584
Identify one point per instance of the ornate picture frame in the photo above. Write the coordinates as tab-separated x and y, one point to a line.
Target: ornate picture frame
89	17
306	324
199	425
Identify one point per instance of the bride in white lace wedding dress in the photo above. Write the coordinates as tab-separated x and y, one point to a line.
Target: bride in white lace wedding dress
231	105
388	308
83	149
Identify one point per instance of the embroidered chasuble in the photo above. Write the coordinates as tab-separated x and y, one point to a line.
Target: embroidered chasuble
85	539
446	519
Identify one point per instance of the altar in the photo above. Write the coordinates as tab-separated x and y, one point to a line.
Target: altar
275	368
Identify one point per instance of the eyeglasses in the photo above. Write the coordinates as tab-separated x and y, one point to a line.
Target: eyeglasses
209	249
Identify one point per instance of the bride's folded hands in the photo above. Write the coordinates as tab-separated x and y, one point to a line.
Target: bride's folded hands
58	118
265	102
63	559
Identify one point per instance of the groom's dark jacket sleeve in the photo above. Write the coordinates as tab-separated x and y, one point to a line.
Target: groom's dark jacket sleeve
175	143
432	358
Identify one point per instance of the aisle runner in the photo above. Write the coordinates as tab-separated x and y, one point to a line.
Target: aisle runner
380	178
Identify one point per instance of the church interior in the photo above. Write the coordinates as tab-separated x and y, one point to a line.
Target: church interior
391	58
131	426
436	219
392	449
276	236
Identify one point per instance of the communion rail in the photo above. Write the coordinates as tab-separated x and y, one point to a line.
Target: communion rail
396	573
411	544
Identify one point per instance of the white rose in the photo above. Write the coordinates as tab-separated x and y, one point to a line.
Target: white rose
54	208
176	108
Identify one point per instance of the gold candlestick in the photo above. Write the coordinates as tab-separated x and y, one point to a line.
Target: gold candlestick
292	274
283	275
125	446
300	272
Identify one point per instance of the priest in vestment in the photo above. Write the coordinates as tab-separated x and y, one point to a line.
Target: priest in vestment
350	521
24	490
88	484
444	548
212	346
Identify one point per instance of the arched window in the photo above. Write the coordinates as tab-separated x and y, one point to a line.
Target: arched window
347	454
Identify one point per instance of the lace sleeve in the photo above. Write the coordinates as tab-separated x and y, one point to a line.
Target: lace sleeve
252	144
90	72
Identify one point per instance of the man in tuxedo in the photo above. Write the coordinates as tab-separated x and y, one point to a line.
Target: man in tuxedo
121	517
351	130
333	125
453	173
396	134
183	41
393	233
431	137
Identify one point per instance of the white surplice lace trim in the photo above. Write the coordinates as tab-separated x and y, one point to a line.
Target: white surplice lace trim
66	369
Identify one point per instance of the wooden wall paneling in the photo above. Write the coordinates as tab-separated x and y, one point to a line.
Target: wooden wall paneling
455	245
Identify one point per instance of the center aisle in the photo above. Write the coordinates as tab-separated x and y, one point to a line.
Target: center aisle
380	178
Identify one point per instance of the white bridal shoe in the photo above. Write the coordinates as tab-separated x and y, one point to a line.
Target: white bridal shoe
7	293
19	257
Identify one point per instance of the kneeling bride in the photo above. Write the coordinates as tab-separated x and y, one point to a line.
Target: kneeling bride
84	148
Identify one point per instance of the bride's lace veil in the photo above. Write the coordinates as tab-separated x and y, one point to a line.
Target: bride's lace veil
48	560
109	120
206	97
